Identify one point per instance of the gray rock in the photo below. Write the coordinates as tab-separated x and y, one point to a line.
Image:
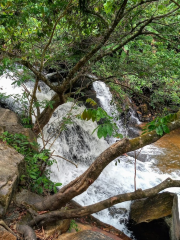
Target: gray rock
9	121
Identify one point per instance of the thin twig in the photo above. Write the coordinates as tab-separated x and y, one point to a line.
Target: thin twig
65	159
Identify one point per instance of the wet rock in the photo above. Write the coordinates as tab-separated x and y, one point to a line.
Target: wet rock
168	162
156	218
11	167
8	117
5	235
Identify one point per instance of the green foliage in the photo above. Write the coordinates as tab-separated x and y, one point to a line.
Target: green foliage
73	225
138	55
160	124
91	101
107	128
26	121
21	107
37	175
26	26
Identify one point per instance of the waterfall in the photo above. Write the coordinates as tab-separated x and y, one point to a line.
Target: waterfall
105	98
77	144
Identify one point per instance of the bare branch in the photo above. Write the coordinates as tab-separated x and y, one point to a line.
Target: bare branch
66	160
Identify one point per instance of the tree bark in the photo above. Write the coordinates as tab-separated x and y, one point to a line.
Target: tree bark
46	114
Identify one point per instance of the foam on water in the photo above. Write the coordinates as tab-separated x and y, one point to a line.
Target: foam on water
78	144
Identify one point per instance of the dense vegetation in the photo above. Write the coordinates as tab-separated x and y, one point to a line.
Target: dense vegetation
132	45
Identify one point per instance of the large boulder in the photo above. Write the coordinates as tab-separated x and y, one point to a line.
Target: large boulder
10	122
11	162
156	218
11	167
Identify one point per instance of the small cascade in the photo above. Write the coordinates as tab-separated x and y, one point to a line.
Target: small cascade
77	144
105	98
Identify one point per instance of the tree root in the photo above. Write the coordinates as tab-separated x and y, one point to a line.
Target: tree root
27	232
2	223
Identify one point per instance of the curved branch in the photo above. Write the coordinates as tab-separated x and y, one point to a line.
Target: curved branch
66	160
84	211
32	100
136	34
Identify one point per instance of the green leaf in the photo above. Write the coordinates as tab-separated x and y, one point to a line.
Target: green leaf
165	129
91	101
58	184
159	130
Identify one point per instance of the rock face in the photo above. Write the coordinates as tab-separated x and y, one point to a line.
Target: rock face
156	218
11	162
10	122
11	166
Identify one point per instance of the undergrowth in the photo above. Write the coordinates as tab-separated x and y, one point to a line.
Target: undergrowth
37	173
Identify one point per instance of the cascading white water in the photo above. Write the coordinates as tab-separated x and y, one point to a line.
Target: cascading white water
105	97
78	144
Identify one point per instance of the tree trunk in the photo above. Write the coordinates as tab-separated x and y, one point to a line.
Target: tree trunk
46	114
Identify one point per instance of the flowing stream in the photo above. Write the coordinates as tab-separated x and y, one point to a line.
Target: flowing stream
79	145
